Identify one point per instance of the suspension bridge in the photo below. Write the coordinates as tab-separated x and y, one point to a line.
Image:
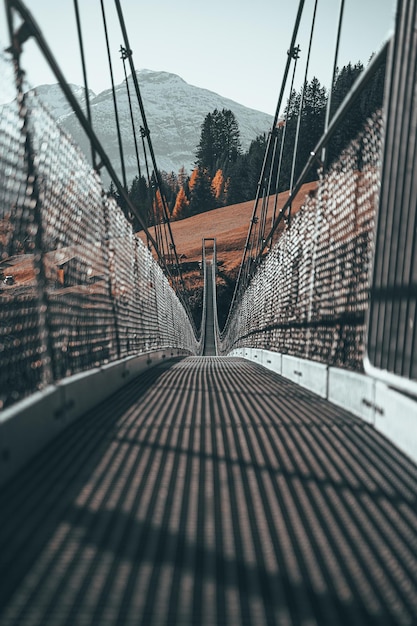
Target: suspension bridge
260	474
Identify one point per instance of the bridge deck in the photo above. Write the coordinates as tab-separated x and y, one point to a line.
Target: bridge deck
212	492
209	335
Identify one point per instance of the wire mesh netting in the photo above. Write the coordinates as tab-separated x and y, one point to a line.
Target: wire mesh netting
392	333
310	294
78	289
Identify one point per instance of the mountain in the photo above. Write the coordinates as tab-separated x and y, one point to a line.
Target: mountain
55	100
174	112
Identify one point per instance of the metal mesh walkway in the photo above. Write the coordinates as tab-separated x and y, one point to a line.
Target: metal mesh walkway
209	335
212	492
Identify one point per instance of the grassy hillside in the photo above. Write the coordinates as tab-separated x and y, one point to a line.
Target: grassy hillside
229	226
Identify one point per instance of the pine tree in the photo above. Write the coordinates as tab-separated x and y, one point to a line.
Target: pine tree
172	182
219	147
205	154
373	96
231	138
354	119
112	190
140	198
219	142
201	196
311	128
238	183
312	125
256	155
182	177
192	180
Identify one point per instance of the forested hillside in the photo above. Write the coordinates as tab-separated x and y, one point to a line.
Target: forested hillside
224	174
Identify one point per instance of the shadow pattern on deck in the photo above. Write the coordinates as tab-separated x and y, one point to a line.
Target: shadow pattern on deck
212	492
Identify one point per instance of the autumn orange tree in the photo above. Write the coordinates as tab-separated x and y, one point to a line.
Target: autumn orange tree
218	187
181	205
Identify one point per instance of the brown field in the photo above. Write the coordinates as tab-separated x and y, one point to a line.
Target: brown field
229	226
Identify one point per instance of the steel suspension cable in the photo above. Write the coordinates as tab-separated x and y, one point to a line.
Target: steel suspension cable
271	134
284	134
29	29
262	218
148	176
360	84
274	154
84	70
160	223
147	135
124	55
265	204
297	133
278	176
329	101
265	200
162	241
116	111
142	134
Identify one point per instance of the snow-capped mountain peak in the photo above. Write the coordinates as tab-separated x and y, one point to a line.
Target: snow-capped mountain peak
55	100
174	112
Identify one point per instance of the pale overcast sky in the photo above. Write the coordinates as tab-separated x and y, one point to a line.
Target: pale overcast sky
236	48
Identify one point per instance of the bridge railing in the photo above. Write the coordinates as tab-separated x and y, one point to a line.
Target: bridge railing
309	296
392	327
78	288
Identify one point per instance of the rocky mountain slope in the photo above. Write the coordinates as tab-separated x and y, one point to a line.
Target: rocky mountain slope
174	111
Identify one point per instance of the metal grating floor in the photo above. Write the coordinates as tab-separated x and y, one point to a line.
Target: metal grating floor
212	492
